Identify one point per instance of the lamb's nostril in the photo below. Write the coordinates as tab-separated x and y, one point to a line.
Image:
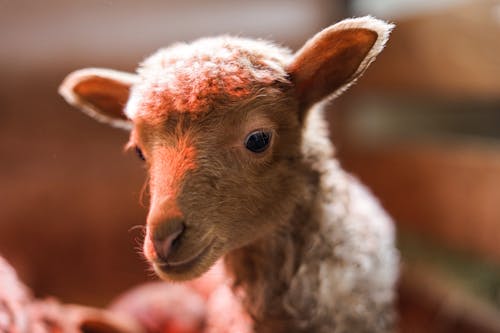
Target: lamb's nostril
166	237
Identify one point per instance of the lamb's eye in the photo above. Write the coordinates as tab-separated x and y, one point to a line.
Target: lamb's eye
139	153
258	141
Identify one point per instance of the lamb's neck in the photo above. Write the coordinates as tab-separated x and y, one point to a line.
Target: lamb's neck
263	271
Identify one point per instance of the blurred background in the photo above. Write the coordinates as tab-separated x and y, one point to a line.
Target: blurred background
421	129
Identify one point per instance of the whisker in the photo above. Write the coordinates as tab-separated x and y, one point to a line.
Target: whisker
137	227
151	273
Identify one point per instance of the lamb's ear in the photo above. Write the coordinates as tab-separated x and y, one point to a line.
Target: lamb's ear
100	93
334	58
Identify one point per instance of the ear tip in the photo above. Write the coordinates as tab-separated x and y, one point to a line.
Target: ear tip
381	27
79	75
67	86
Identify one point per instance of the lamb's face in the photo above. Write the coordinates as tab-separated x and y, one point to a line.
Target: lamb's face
218	130
218	180
218	123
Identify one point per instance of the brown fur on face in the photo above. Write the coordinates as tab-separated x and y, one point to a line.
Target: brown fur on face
232	196
191	106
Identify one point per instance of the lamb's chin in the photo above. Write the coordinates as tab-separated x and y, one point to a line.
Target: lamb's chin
187	270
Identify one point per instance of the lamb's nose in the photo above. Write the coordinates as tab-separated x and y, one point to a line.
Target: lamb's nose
165	237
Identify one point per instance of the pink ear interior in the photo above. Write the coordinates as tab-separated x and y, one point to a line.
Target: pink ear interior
104	94
329	61
100	93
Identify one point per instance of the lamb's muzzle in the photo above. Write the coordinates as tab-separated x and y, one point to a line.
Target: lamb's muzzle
165	237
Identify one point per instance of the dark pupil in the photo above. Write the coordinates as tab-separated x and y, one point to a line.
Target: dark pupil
139	153
257	142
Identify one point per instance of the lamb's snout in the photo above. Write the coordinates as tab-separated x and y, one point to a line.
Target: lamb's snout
165	237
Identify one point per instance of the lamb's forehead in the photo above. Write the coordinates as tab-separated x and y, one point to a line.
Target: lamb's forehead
191	77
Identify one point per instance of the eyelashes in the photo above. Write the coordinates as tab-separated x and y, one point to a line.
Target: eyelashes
139	153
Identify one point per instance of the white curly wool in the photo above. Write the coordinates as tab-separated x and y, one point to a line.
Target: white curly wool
347	274
202	70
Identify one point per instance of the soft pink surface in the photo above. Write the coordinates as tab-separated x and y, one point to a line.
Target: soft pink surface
204	305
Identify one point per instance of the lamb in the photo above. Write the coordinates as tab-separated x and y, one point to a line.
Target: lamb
241	168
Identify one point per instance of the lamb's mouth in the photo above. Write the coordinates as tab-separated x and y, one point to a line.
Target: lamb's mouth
183	266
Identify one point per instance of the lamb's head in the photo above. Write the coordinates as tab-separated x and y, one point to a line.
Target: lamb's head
219	124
